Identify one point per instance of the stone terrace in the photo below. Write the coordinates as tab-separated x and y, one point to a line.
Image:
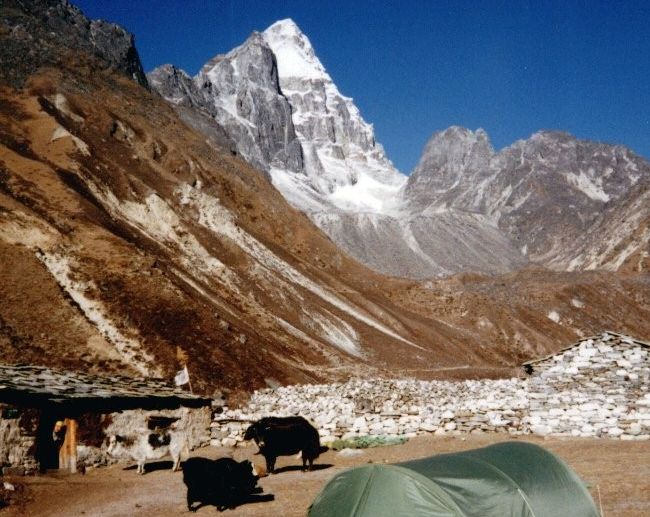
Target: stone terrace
597	387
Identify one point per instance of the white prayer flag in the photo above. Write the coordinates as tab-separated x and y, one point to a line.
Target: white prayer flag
182	377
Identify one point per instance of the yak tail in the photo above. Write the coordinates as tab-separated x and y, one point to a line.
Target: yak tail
322	449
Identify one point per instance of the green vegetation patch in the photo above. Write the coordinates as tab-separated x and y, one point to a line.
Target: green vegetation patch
365	442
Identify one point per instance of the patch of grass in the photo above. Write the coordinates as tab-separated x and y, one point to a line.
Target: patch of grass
365	442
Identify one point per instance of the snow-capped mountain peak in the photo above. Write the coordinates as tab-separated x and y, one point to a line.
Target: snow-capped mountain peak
293	51
464	207
345	168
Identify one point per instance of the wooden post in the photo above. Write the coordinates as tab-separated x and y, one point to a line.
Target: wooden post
68	451
72	429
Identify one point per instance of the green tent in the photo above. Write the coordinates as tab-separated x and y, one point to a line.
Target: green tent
503	480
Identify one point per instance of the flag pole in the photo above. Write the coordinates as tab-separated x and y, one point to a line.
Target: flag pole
189	382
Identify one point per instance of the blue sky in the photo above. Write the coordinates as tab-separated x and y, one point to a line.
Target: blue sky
415	67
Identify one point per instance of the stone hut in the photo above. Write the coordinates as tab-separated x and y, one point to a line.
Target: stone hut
598	386
53	418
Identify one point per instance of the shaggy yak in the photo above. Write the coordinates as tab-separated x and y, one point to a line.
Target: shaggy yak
149	446
224	483
284	436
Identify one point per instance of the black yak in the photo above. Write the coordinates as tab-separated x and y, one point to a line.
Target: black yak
224	483
284	436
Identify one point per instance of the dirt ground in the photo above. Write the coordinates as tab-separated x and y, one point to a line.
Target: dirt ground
618	473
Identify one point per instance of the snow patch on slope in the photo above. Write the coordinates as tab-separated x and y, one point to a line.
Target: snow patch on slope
577	303
631	248
23	229
215	217
61	132
156	219
335	331
590	186
553	316
129	349
294	53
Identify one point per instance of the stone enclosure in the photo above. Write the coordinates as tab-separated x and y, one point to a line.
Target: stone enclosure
598	387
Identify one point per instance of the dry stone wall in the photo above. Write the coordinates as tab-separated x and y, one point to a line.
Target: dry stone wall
18	430
598	388
17	441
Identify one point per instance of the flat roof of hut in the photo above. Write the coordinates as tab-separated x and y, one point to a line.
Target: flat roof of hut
40	386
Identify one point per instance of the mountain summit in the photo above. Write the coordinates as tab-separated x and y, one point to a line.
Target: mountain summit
345	168
293	50
465	207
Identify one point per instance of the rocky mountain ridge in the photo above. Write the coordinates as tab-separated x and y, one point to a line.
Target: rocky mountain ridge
131	243
41	33
344	182
465	207
546	193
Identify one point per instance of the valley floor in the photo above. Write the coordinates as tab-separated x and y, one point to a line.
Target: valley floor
617	472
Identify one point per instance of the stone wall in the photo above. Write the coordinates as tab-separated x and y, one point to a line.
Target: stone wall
18	428
17	438
597	388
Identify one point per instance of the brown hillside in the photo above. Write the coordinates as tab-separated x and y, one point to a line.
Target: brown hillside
125	237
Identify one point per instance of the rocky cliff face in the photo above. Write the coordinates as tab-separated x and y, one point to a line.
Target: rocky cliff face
465	207
284	113
37	33
344	164
452	163
552	195
240	93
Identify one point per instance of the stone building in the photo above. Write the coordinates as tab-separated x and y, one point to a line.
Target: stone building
598	386
56	419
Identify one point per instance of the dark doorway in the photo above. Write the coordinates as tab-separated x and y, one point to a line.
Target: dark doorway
47	448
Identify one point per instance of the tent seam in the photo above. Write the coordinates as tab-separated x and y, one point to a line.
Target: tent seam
424	481
523	496
519	490
364	496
